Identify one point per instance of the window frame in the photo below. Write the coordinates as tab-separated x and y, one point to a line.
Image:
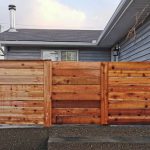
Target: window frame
70	51
59	53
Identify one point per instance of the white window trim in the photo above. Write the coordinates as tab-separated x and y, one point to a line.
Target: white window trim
59	53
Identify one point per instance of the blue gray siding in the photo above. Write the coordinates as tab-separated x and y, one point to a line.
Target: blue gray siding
137	48
20	53
94	55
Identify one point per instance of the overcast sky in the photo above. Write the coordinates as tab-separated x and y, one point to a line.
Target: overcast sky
59	14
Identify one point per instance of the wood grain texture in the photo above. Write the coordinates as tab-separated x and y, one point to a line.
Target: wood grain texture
129	93
104	93
61	80
77	120
76	104
47	92
21	64
21	72
76	72
76	65
75	96
75	111
91	89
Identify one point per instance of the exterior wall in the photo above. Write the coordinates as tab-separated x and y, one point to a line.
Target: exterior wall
22	53
138	48
86	54
94	55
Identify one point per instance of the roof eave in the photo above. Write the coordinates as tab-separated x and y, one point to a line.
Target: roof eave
41	43
123	6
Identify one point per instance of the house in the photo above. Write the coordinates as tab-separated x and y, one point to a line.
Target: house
125	38
128	32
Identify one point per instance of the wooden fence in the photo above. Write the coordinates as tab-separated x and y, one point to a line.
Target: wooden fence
47	93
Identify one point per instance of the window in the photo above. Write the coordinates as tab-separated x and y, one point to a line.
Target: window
60	55
69	56
51	55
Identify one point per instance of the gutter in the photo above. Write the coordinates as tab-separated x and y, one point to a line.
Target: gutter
111	24
40	43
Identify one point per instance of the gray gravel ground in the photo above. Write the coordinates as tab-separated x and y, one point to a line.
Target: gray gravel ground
36	138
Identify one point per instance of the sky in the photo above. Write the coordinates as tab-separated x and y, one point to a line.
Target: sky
59	14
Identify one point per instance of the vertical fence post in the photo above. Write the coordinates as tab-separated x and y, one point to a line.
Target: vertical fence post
47	93
104	93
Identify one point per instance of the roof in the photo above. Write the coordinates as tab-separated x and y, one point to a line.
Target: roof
119	25
123	20
46	35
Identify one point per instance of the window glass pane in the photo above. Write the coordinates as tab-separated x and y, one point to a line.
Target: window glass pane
69	55
63	56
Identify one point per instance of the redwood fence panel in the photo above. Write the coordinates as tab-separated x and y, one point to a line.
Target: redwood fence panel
129	93
47	93
76	93
21	92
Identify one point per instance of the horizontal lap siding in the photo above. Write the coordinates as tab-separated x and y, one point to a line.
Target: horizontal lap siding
30	53
138	48
21	92
129	96
22	53
76	93
94	55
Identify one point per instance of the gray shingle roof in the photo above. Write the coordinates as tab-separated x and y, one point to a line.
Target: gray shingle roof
51	35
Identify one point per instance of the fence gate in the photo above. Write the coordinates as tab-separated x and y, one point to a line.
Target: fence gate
76	93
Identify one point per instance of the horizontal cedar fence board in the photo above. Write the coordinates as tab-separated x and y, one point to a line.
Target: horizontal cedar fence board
129	73
75	111
76	65
76	72
76	120
128	104
21	80
21	72
22	64
21	88
129	80
41	116
20	120
22	98
129	112
129	120
129	96
129	66
75	80
129	88
21	103
75	96
76	88
21	94
21	110
75	104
